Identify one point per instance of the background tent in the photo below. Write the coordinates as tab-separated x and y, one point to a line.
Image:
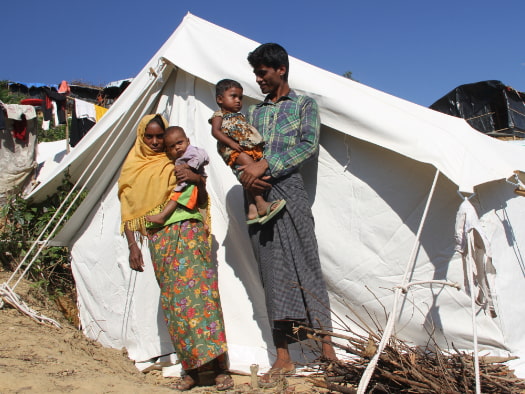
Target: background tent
378	158
488	106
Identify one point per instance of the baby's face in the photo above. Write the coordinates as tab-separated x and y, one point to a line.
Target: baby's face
176	144
231	100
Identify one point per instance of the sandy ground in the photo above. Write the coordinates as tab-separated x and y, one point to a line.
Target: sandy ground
36	358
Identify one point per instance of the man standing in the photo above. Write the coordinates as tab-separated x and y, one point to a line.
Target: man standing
286	247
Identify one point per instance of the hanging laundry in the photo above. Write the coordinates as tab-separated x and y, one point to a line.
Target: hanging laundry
100	111
64	88
85	109
80	125
20	114
55	113
15	111
50	96
17	148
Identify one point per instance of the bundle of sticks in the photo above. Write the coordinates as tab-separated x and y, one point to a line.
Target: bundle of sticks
411	369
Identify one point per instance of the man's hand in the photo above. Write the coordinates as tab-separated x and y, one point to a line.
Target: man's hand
252	178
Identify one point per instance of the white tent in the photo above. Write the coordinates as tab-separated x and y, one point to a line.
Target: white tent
378	158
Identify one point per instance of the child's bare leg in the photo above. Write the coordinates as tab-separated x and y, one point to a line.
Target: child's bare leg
252	208
242	160
161	217
261	205
258	206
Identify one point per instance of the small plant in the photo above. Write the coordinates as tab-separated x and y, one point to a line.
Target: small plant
21	223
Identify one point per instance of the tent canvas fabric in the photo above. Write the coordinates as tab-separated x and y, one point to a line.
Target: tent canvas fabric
378	157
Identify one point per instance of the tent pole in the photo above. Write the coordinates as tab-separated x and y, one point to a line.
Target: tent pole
367	375
67	132
471	267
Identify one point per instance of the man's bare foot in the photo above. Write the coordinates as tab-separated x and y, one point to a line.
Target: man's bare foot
328	351
157	219
286	365
276	373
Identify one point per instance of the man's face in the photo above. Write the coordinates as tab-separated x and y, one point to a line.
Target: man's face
176	144
269	78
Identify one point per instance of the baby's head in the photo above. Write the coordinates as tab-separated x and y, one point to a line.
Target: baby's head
176	142
228	94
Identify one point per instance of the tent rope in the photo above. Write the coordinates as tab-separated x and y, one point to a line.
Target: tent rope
370	368
405	288
9	296
517	181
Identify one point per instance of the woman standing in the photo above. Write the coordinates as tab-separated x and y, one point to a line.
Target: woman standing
180	254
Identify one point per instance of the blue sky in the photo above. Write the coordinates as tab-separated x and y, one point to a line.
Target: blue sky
416	50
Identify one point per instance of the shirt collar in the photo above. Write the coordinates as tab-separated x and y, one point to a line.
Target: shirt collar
290	96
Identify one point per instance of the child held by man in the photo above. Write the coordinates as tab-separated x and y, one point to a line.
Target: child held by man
239	144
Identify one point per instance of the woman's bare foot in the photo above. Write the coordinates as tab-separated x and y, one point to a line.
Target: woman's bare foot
184	384
224	382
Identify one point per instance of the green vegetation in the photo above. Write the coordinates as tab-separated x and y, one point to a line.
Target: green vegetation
53	134
21	224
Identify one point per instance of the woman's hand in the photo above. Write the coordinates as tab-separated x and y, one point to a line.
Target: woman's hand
135	258
185	174
136	262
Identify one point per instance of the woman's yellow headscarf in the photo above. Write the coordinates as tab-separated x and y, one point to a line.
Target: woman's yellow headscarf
146	181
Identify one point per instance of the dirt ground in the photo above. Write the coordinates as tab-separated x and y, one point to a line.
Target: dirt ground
44	359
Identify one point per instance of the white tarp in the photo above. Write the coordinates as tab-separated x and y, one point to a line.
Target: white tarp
368	188
17	156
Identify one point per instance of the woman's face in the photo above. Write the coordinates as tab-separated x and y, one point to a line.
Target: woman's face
154	137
